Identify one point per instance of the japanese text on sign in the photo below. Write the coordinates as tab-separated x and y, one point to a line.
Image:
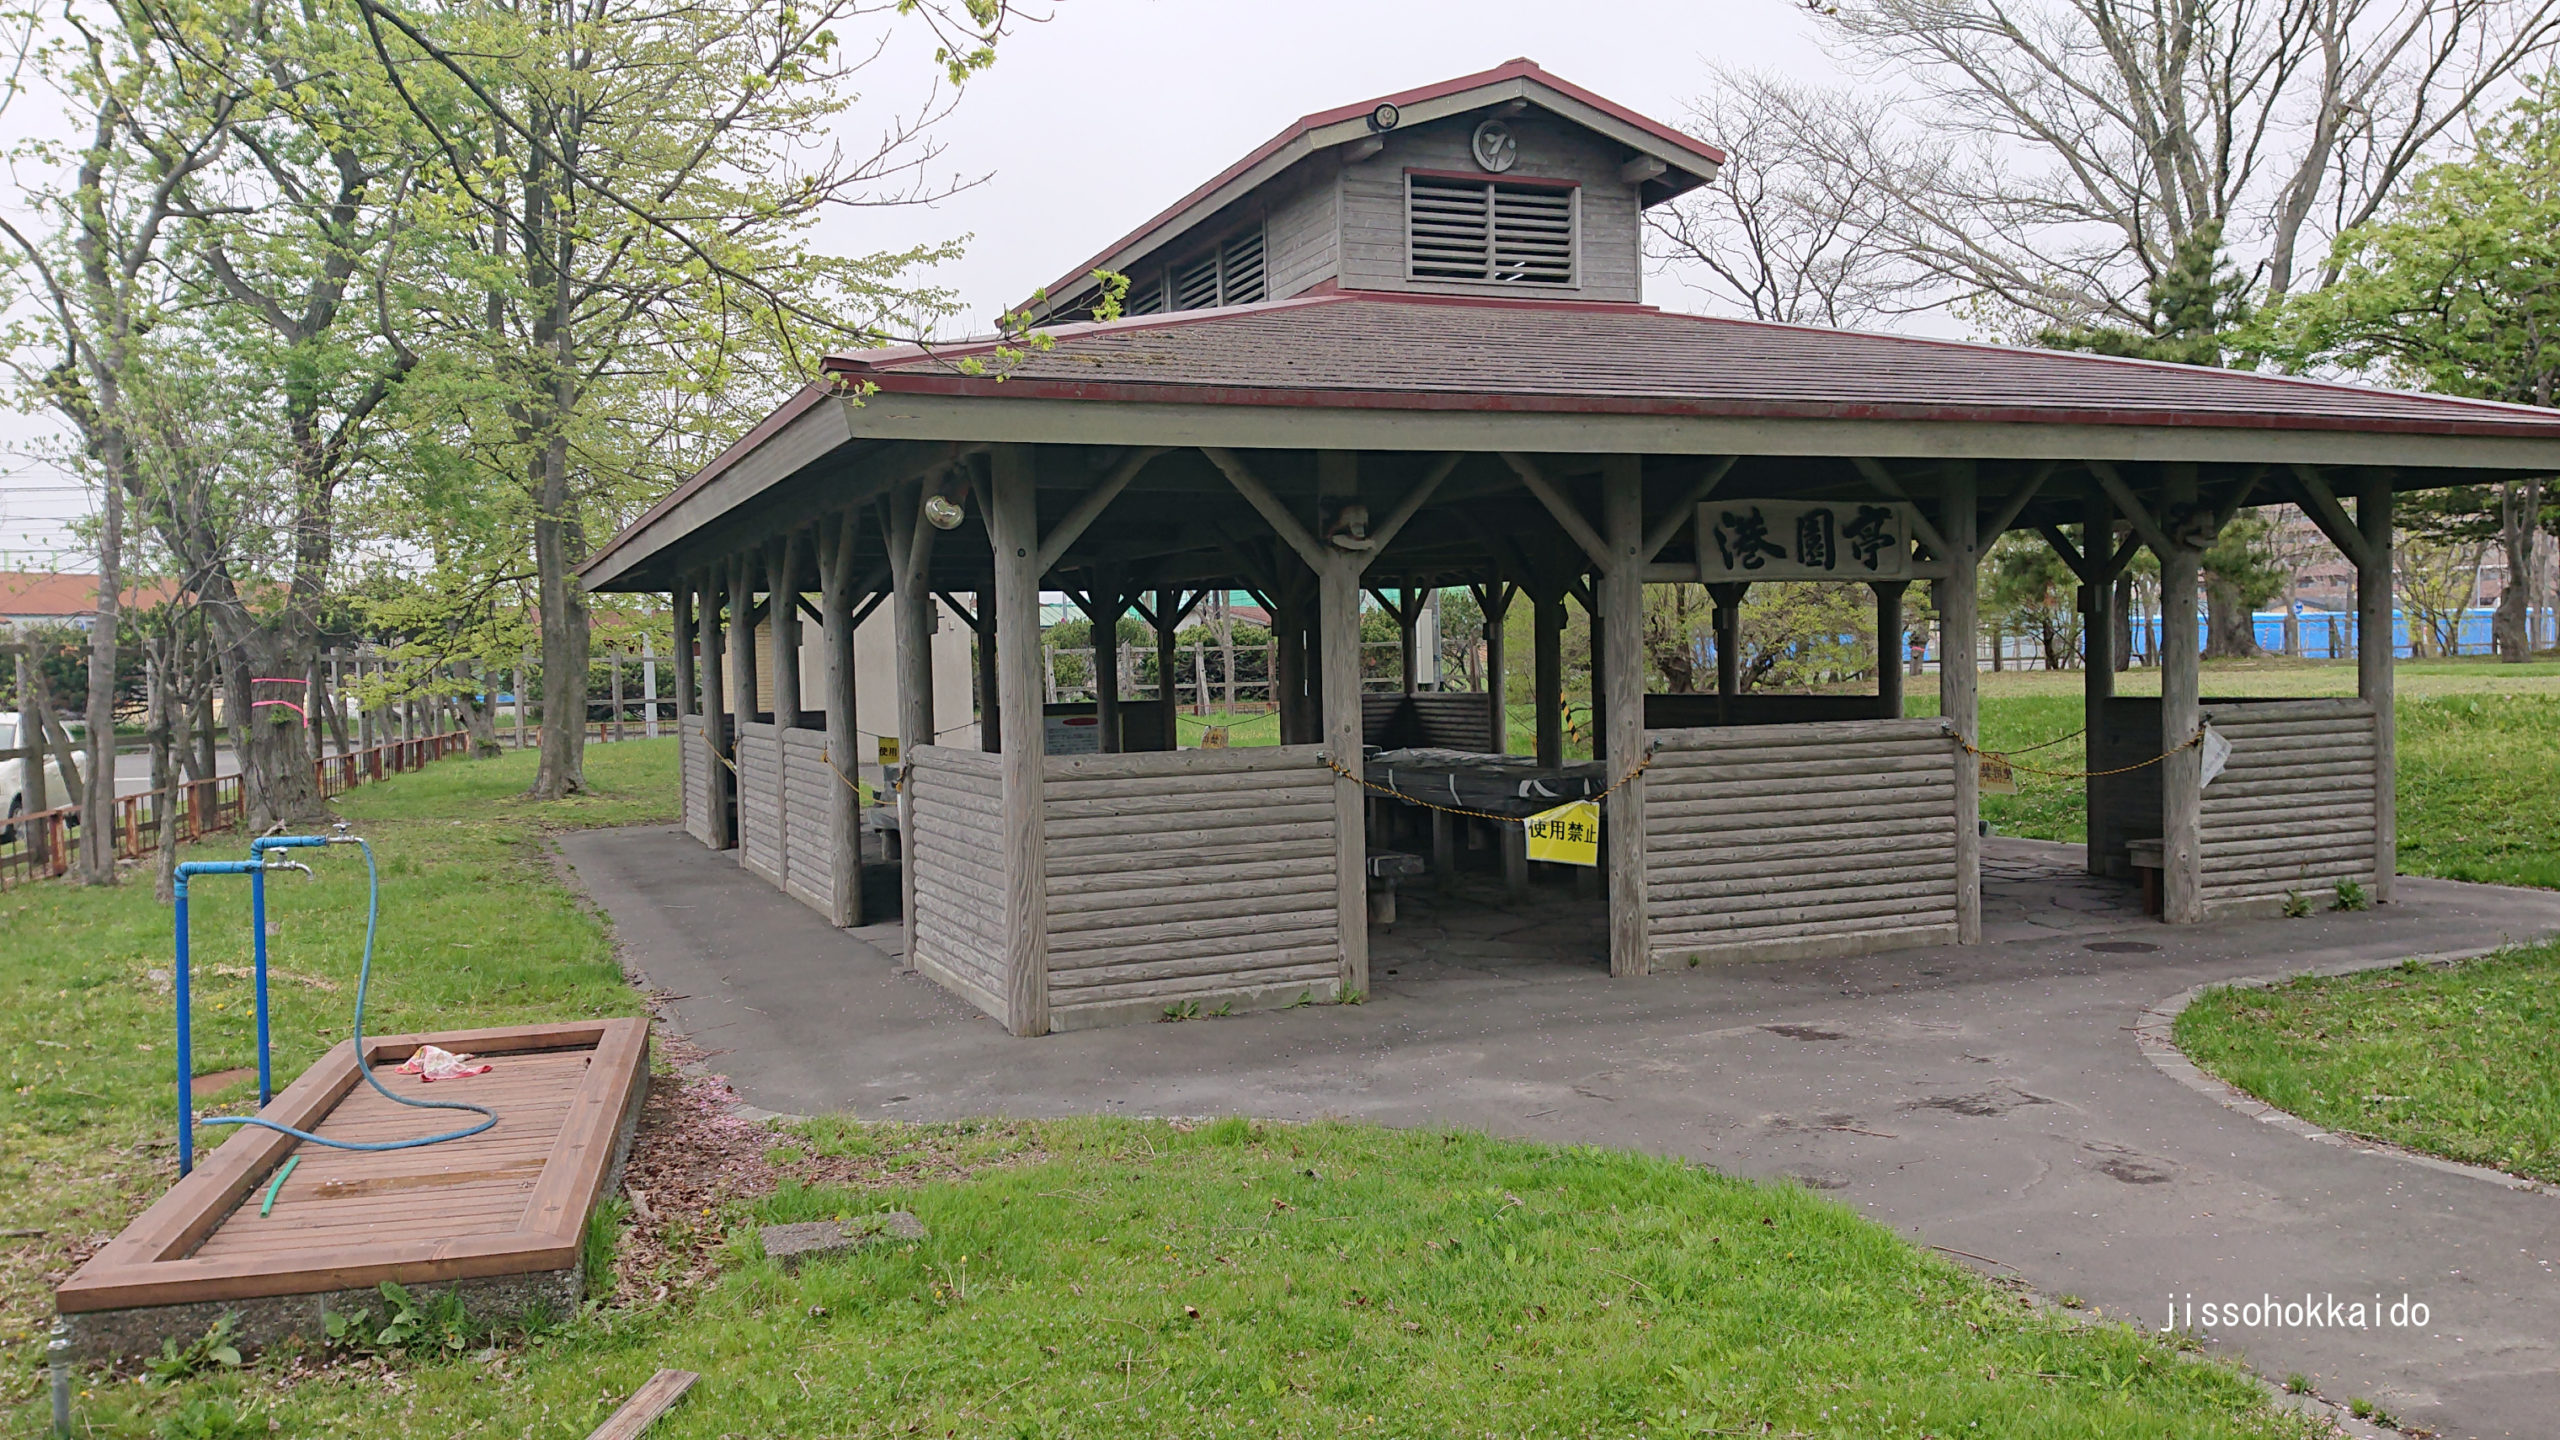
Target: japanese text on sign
1567	835
1803	540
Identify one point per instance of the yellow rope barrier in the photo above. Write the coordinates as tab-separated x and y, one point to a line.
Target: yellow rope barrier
2192	742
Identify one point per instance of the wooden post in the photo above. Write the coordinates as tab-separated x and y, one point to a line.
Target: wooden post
1168	694
911	611
2097	652
990	713
682	635
1959	683
1620	684
1199	679
1013	527
649	684
782	589
1547	677
1495	601
911	605
1888	647
2181	775
524	712
1338	643
615	660
1108	606
1408	623
844	807
743	660
2374	677
1728	622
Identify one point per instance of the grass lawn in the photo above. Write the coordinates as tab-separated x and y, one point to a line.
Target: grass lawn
2462	1061
1107	1277
1080	1278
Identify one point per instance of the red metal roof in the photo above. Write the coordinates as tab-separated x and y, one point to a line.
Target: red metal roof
1372	349
34	594
1519	69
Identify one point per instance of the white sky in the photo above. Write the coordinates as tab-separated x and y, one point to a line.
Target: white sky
1095	119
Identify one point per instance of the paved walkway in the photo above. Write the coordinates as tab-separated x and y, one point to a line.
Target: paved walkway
1990	1101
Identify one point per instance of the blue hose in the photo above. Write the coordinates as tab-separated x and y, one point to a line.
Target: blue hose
364	976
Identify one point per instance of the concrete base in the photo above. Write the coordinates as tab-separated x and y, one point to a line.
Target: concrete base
114	1335
1236	1002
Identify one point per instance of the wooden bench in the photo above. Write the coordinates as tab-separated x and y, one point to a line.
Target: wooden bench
2145	857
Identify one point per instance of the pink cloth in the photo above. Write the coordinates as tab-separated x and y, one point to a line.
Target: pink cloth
431	1064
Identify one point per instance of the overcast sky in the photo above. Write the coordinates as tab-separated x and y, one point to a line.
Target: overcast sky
1108	110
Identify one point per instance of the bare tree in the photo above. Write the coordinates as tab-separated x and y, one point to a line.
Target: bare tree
1782	235
2044	160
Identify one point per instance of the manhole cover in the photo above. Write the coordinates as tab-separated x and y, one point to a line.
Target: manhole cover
2121	947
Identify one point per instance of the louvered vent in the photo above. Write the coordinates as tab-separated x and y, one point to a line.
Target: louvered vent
1232	274
1195	286
1240	269
1146	297
1488	230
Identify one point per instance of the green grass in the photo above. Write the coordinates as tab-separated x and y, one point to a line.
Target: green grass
1142	1279
476	931
2461	1061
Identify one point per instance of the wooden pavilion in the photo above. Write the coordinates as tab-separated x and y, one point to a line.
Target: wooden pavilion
1402	346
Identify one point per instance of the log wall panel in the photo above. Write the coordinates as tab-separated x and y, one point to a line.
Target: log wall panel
760	812
1188	876
1822	838
693	752
808	796
956	849
2292	810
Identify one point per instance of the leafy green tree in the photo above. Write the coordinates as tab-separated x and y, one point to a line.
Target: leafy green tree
2027	589
2457	289
616	273
2195	303
2240	574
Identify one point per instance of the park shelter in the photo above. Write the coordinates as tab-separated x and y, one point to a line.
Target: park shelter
1402	346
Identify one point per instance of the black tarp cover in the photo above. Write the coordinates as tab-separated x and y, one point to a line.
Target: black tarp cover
1515	785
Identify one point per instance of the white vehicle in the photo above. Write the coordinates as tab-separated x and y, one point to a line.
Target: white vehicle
14	774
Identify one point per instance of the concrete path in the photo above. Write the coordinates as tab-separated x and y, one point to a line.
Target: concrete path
1990	1101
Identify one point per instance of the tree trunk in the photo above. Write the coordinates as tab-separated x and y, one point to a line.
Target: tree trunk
2519	511
167	711
2231	629
480	718
274	753
564	633
98	805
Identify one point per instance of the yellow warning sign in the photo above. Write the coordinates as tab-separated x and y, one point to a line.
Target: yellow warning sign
888	749
1997	777
1566	835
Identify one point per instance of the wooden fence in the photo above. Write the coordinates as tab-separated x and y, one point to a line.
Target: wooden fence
40	846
